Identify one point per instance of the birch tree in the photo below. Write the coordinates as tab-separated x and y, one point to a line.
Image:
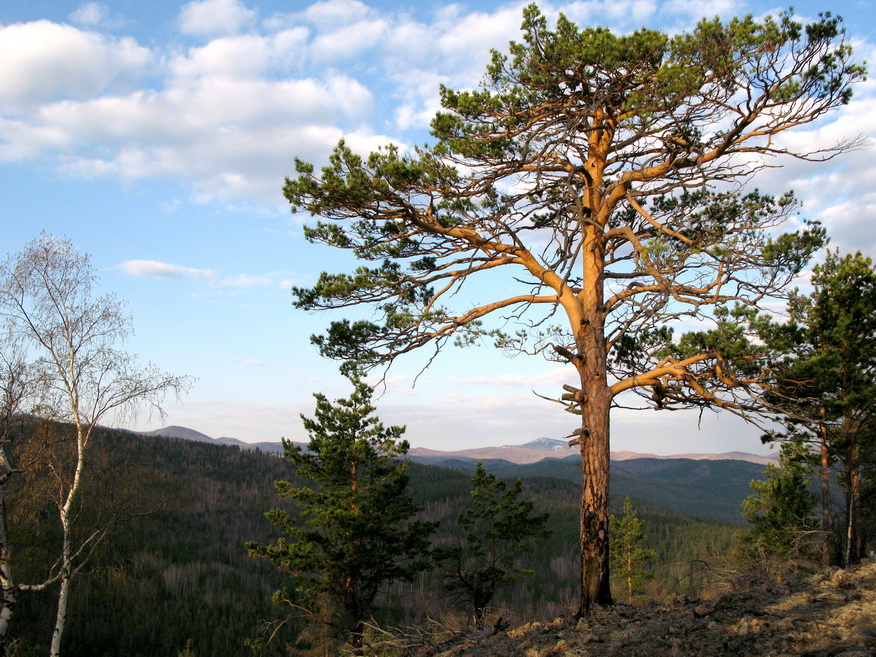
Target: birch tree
603	178
16	385
47	300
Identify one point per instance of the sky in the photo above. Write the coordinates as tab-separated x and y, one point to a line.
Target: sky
156	137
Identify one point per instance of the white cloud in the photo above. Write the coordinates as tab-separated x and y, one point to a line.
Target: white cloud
91	13
163	270
230	138
226	117
243	55
45	61
215	17
331	14
349	40
154	269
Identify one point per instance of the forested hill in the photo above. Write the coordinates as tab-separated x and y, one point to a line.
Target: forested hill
706	489
182	574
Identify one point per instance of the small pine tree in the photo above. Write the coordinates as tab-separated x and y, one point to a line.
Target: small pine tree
355	532
780	510
628	552
498	527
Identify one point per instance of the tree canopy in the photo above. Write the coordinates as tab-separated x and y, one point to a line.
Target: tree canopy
605	177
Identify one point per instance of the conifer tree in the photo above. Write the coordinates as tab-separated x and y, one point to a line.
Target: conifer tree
602	178
628	552
780	510
496	529
355	531
824	383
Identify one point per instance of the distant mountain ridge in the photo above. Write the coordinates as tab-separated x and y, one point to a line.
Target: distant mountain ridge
529	452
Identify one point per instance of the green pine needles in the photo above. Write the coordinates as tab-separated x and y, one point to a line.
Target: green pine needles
355	531
598	186
629	556
495	530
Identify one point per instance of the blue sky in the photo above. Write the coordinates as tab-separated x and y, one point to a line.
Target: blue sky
156	137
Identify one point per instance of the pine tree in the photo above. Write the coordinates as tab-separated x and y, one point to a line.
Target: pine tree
355	532
498	527
628	552
825	383
600	178
780	511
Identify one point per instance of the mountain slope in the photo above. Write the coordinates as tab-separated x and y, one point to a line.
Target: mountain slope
530	452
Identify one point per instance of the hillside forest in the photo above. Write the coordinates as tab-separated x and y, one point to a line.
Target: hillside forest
182	575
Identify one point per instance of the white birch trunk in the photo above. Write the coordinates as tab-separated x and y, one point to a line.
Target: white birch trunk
61	616
7	582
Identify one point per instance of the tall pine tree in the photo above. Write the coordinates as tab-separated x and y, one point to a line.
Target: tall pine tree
593	184
824	382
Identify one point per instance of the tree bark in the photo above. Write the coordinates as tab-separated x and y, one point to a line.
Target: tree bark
595	575
853	498
594	443
61	616
826	525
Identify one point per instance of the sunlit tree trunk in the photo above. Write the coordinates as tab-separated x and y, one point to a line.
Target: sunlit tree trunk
594	440
65	513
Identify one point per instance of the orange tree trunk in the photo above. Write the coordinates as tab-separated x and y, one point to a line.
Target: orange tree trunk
594	440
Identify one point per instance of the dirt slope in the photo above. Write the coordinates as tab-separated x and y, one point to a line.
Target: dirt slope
824	615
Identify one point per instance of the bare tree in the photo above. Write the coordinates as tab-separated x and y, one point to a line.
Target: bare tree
46	300
16	384
603	176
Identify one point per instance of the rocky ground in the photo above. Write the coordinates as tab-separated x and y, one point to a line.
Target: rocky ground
829	614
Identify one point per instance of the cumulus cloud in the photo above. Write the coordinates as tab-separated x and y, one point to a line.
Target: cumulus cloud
96	15
242	55
215	17
332	13
226	116
45	61
230	138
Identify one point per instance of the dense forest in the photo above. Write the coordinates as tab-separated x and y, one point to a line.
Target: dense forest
180	575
